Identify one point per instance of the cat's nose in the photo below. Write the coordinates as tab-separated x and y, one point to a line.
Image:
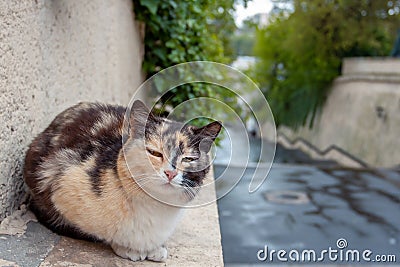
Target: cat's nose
171	174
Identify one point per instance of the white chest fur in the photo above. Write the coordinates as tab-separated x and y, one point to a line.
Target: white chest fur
151	223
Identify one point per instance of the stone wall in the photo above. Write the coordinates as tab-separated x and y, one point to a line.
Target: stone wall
53	54
362	113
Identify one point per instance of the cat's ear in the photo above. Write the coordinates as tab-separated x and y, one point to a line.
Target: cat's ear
140	108
140	115
208	134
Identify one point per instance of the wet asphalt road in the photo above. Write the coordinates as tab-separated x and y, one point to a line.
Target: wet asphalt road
306	204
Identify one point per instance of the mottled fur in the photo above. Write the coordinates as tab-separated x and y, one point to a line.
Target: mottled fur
81	184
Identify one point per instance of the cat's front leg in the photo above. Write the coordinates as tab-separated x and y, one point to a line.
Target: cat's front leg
159	254
128	253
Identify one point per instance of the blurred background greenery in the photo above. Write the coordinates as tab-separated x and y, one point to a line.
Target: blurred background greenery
297	48
302	48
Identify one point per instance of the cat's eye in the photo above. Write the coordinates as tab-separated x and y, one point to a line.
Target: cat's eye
189	159
154	153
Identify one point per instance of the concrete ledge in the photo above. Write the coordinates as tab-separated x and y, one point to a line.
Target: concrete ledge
370	78
196	242
371	66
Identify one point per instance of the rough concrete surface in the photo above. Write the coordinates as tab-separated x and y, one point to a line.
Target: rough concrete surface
361	114
28	250
371	66
16	223
53	54
196	242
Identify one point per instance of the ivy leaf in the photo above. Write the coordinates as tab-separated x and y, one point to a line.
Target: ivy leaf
170	44
159	53
152	5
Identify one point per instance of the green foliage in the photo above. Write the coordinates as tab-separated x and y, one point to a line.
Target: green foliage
183	31
301	50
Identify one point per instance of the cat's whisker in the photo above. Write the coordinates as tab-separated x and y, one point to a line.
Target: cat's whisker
190	192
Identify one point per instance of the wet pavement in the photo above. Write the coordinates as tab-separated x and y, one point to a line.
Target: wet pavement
306	204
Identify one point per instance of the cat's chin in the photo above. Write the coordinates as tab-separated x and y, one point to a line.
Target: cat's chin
169	193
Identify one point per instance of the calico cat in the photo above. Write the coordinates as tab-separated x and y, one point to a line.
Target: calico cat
91	177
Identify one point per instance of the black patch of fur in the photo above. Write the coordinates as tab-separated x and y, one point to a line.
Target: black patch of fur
181	147
196	177
106	159
86	151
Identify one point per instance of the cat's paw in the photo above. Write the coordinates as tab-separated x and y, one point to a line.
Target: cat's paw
128	253
159	254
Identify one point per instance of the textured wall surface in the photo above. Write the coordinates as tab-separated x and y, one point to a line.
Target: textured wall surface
53	54
362	113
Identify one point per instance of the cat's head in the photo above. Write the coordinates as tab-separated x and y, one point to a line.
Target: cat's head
168	159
